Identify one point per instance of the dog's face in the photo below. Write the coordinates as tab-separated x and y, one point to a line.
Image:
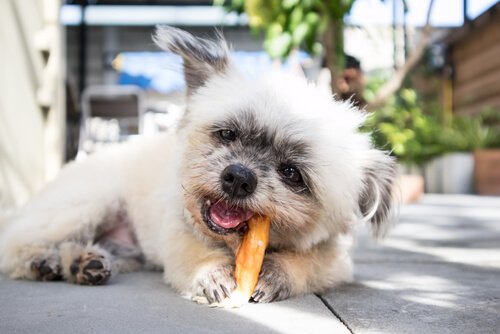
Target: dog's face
273	146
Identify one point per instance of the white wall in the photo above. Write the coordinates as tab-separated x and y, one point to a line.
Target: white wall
32	114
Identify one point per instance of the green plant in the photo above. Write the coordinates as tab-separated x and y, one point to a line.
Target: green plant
290	24
490	128
403	129
316	26
415	137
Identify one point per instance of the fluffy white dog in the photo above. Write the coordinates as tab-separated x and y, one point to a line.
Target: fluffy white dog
275	146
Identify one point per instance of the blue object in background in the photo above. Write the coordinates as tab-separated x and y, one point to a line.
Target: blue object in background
162	71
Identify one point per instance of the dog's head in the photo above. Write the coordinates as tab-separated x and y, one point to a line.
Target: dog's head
275	146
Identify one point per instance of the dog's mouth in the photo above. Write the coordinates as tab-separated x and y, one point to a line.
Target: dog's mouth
223	217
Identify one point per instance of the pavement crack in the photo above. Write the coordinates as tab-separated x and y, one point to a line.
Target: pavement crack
335	313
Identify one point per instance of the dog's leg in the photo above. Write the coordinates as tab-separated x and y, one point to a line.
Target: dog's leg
72	261
81	264
126	258
287	274
197	270
34	261
44	266
32	246
85	264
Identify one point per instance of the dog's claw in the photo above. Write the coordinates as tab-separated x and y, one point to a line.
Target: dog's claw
216	296
273	284
216	286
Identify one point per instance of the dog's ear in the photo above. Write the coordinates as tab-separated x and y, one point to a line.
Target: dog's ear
202	58
377	200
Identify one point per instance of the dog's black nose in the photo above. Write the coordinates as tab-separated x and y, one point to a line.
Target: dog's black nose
238	181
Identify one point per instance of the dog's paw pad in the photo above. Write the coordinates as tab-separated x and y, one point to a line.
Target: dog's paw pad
91	269
46	268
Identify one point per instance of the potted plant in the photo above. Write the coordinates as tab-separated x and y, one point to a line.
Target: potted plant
402	128
442	152
487	156
452	172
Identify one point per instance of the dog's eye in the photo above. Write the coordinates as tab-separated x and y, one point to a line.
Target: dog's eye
291	174
227	135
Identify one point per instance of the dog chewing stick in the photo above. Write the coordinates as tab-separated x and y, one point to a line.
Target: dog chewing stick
244	146
249	258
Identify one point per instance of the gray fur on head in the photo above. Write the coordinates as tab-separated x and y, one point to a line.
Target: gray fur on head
202	58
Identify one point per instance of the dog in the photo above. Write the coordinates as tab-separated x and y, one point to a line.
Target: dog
274	145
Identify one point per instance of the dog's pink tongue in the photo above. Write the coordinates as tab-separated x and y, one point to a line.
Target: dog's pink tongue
228	217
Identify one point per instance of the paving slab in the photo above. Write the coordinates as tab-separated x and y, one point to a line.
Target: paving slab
437	272
142	303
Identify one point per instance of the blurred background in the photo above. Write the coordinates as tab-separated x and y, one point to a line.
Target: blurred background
77	75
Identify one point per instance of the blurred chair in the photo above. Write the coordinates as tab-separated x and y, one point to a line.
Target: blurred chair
110	114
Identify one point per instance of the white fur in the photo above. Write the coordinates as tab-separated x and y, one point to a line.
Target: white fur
290	104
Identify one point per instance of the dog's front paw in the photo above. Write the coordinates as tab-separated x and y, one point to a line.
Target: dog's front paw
216	285
273	284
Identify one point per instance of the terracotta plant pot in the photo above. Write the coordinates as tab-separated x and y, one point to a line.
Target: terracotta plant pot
487	171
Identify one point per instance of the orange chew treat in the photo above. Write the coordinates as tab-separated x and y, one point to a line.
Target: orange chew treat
251	254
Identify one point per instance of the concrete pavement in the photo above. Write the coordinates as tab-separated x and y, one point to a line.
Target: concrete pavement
438	271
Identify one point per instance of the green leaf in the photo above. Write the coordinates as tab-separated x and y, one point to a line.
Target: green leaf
308	4
317	48
275	29
279	46
281	19
296	17
300	33
312	18
289	4
260	12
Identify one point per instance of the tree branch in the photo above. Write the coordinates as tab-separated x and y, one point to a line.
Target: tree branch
395	82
